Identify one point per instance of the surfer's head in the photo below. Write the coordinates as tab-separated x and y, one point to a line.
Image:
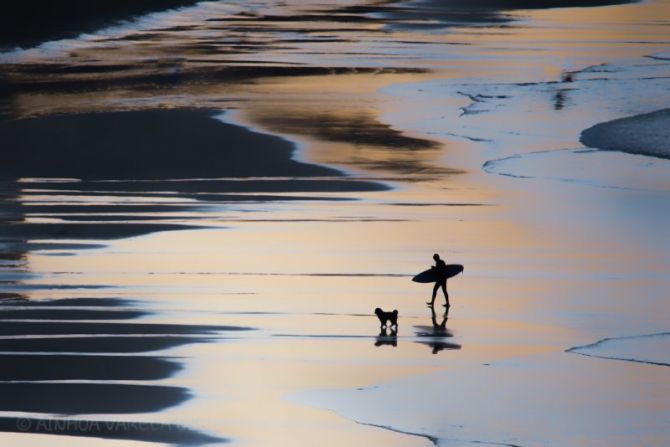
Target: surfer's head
436	256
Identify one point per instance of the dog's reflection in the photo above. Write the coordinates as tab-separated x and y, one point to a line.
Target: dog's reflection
387	337
437	333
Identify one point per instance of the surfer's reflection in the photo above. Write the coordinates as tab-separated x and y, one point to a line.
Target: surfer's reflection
437	334
441	328
387	337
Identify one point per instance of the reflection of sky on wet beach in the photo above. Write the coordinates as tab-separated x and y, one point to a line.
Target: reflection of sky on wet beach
565	248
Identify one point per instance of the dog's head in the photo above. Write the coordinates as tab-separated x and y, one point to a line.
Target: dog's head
378	311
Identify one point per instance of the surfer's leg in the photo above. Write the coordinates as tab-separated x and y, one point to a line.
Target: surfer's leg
435	287
446	295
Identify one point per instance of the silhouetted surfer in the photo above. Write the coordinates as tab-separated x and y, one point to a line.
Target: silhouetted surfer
441	269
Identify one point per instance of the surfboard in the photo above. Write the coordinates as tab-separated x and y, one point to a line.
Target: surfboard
430	275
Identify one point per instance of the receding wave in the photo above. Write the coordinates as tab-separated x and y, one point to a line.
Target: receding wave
652	349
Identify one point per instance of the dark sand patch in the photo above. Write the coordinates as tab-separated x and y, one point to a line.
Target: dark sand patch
116	218
144	145
36	313
84	217
121	344
60	208
239	185
12	297
84	367
171	434
647	134
86	68
17	285
79	302
24	231
28	23
88	398
213	197
62	328
25	246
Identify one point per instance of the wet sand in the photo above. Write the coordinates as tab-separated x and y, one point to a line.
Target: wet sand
38	379
144	153
646	134
251	322
119	430
148	145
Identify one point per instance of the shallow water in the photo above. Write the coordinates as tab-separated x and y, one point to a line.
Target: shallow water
474	129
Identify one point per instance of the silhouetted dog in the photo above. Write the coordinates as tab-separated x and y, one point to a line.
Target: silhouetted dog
390	318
